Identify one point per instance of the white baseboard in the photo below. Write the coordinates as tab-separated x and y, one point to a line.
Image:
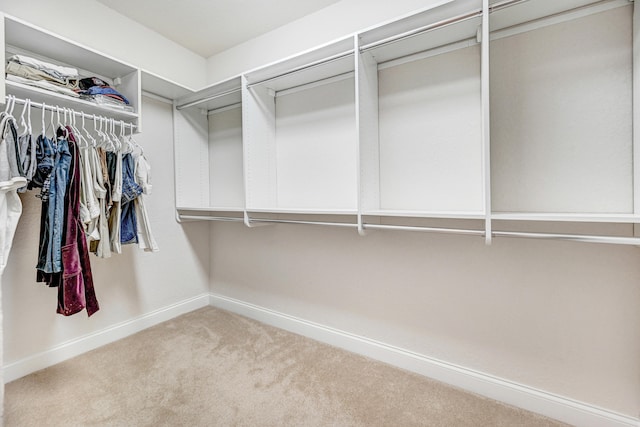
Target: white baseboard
528	398
97	339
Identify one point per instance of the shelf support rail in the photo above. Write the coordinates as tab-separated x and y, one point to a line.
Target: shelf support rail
58	109
486	119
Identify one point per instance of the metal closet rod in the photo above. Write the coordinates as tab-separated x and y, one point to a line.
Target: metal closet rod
292	221
584	238
211	218
311	65
440	24
208	98
443	230
57	109
430	27
295	70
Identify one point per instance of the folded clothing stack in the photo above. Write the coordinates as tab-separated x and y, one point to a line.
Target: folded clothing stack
100	92
64	80
33	72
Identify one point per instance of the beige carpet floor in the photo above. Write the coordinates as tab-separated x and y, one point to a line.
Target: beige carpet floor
215	368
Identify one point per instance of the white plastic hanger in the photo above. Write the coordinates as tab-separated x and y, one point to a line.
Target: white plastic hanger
133	142
112	133
90	139
23	122
44	110
11	102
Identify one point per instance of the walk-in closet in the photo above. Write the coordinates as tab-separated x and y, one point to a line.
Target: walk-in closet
327	212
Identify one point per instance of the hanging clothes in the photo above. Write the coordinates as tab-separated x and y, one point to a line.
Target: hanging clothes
91	196
52	221
75	280
27	146
130	191
100	240
10	211
9	134
76	290
114	164
146	241
44	162
10	181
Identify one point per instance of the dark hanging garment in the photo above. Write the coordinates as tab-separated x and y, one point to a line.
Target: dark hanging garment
44	160
75	282
54	197
130	191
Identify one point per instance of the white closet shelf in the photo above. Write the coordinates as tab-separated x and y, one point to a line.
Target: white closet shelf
436	15
441	40
425	74
566	217
41	42
57	99
215	96
22	38
327	61
160	86
550	11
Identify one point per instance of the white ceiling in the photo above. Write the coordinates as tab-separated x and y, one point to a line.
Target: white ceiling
207	27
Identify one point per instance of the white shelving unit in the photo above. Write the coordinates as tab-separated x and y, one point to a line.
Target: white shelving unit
421	115
20	37
489	118
209	150
300	133
562	144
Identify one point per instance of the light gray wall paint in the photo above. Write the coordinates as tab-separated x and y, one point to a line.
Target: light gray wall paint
557	316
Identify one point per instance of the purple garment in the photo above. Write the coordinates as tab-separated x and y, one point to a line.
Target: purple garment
75	282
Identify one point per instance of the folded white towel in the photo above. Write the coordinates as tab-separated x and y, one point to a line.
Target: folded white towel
41	65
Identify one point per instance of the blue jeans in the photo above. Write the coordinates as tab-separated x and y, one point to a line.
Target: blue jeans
50	260
130	191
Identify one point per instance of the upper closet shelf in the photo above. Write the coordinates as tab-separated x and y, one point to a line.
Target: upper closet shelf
165	88
446	24
46	44
22	38
504	16
327	61
216	96
63	101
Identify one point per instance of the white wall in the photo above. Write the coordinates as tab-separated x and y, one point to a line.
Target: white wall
96	26
339	20
558	316
129	285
